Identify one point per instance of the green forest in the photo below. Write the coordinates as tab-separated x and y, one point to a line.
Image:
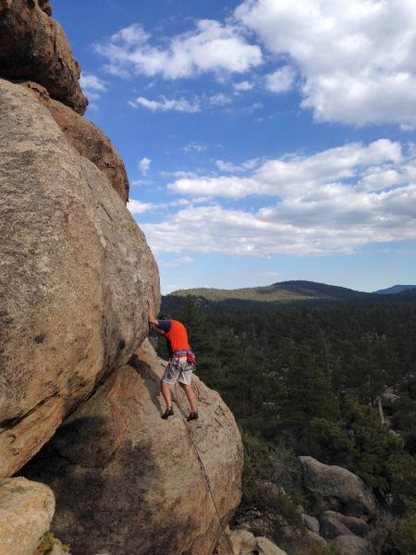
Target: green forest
334	381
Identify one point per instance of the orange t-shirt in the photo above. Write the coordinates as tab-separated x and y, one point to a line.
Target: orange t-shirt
177	337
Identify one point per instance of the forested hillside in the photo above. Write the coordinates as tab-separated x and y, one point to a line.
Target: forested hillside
283	292
337	382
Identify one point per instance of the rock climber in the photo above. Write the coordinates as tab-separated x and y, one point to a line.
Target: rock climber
181	362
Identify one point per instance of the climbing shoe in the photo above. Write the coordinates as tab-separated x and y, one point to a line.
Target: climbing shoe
167	413
192	416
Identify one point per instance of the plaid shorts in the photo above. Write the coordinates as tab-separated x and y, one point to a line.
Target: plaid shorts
178	370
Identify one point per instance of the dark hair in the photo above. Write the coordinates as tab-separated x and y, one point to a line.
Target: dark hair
165	316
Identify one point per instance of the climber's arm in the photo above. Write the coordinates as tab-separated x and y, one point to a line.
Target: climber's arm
152	317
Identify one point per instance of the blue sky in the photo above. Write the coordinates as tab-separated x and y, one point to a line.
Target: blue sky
265	140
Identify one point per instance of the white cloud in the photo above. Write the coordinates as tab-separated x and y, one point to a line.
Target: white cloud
356	58
219	99
182	104
89	81
92	85
210	47
333	201
229	167
177	174
339	223
138	207
144	165
295	174
243	86
166	104
282	80
193	147
180	261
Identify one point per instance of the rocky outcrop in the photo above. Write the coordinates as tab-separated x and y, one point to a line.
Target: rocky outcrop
331	526
311	523
26	510
343	524
336	488
351	545
242	542
127	481
87	139
301	542
34	47
75	275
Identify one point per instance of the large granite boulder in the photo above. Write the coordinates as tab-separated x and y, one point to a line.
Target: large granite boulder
26	511
87	139
336	488
128	482
34	46
75	276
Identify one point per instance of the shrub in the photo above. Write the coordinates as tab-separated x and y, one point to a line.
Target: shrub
48	542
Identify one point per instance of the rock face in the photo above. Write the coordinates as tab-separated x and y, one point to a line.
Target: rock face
87	139
34	47
337	488
75	276
127	481
26	510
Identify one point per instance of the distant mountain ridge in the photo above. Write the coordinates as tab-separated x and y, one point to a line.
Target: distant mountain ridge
394	289
283	292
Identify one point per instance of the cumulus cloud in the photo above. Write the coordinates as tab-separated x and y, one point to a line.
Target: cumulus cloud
229	167
356	58
197	104
166	104
333	201
295	174
243	86
180	261
210	47
282	80
144	165
219	99
193	147
138	207
336	225
92	85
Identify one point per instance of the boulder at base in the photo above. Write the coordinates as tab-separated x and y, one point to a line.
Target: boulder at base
336	487
75	276
298	542
34	46
243	542
351	545
26	511
128	482
355	525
